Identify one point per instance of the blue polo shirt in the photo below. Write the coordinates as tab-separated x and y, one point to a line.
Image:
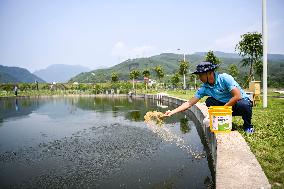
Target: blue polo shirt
221	90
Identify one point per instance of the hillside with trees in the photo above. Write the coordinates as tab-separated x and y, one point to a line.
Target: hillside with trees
170	63
16	75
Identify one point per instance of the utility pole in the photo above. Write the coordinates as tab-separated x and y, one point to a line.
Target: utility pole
184	84
264	40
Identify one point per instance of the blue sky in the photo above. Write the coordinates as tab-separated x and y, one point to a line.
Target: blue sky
38	33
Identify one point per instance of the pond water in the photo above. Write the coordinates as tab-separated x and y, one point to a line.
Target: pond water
95	142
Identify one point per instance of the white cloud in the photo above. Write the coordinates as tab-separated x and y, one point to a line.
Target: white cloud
123	52
275	29
119	49
275	35
142	51
228	42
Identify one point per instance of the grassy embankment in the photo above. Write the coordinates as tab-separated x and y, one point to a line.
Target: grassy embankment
267	143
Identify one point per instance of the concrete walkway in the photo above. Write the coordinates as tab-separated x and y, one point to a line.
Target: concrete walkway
236	165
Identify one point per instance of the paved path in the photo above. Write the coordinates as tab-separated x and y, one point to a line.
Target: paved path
237	166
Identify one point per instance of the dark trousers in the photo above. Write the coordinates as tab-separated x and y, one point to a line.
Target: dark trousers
243	108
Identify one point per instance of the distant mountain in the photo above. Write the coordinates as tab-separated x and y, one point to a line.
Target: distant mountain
168	60
235	55
60	72
170	64
220	54
16	75
276	57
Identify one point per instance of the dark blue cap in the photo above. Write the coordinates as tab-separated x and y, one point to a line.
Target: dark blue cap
204	67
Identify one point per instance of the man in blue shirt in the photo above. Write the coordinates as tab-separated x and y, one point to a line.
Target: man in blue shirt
222	90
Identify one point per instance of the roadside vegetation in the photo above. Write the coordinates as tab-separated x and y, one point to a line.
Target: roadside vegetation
30	89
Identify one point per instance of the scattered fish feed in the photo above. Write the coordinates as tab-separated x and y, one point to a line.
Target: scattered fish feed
155	121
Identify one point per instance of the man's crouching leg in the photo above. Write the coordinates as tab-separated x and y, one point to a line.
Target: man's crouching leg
243	108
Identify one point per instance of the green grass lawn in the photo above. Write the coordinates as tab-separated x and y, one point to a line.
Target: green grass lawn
183	94
267	143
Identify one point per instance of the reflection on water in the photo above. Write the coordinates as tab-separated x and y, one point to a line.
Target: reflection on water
135	115
14	107
184	127
87	142
161	104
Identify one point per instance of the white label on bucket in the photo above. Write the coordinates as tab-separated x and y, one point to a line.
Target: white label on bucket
222	123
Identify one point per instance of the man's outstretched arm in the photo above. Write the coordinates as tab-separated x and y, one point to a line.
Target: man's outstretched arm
182	107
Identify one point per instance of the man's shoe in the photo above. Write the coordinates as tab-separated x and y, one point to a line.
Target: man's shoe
249	130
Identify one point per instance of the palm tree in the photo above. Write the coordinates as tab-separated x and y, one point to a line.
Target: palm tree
175	79
114	77
146	74
183	69
210	57
160	72
134	74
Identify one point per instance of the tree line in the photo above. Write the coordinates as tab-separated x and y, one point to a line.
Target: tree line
249	48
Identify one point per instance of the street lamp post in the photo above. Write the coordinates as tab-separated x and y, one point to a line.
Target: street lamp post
183	55
194	81
184	84
264	39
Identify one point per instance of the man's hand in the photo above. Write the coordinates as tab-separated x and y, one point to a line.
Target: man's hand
206	121
168	113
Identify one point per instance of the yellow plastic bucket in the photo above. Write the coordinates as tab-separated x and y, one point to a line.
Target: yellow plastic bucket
220	118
